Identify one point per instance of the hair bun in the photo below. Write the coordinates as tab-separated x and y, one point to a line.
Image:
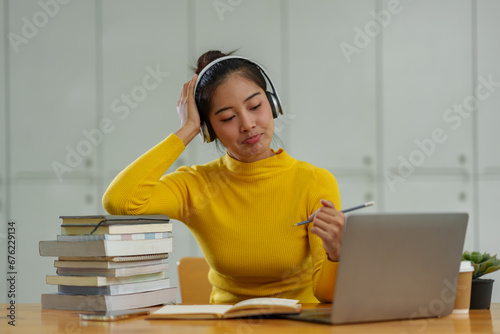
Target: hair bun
207	58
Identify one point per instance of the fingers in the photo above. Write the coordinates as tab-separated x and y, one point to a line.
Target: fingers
191	85
187	90
328	224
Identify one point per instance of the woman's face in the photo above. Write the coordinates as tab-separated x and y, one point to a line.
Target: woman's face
242	119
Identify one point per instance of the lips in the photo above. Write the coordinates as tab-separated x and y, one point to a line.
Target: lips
252	140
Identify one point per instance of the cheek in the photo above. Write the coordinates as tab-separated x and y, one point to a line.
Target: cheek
224	130
266	116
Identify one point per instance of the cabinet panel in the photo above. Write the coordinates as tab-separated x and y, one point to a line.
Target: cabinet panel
36	208
356	190
488	53
427	71
52	86
435	194
489	227
144	47
252	27
332	103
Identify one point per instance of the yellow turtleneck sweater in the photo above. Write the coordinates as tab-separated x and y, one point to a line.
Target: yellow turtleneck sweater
242	215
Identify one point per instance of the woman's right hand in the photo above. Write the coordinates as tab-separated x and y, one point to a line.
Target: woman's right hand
188	112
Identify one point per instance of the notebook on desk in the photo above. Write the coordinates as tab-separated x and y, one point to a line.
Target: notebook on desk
394	267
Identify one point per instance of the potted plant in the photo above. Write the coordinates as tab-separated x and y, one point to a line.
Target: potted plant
481	288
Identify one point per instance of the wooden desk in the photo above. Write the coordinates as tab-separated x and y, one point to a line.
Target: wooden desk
30	318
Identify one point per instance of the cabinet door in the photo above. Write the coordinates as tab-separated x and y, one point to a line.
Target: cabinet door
36	207
332	103
144	50
356	190
489	229
427	71
251	27
435	193
52	88
488	53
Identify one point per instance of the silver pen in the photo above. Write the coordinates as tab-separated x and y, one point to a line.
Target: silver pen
343	211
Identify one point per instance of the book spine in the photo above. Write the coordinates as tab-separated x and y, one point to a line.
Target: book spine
109	303
115	237
119	289
105	247
102	281
113	272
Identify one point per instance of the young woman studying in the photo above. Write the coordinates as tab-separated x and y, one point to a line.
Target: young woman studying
241	207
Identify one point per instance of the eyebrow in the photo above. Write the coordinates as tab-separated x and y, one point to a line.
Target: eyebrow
226	108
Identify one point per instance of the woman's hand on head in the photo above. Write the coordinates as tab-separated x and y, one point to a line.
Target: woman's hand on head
328	224
188	112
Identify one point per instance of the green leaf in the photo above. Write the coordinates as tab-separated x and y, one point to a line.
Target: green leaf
486	256
476	257
491	269
475	274
484	265
466	256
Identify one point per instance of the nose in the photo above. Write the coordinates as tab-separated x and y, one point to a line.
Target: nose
247	121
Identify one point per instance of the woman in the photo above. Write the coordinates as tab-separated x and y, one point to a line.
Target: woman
241	208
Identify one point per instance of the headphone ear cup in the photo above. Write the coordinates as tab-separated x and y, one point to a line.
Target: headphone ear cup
205	133
273	102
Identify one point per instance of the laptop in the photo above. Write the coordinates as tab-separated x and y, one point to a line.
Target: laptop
395	267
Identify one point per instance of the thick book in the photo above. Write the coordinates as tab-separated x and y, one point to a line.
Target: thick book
113	219
70	229
128	236
106	264
109	302
105	247
249	307
117	289
102	280
112	272
131	258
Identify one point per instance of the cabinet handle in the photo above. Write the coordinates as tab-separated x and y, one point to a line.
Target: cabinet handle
89	199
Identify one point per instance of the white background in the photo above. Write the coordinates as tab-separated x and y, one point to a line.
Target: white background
357	115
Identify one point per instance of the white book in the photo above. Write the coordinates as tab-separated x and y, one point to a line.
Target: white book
101	280
105	247
117	289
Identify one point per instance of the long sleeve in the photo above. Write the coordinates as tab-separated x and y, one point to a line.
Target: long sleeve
138	189
324	270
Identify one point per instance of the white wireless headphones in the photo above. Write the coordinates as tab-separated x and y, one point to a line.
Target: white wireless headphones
273	97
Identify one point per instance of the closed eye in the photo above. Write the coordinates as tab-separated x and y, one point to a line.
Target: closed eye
228	119
256	107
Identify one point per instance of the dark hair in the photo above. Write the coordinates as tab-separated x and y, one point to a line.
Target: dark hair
217	75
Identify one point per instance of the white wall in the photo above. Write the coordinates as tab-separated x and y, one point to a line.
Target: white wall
357	113
3	155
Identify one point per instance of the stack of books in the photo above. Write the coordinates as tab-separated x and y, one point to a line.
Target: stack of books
110	263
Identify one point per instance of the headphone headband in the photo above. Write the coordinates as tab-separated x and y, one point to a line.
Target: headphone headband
276	103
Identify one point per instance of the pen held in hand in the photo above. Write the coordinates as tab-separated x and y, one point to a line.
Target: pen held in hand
343	211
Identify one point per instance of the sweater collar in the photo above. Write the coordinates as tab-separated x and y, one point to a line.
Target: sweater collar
280	159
